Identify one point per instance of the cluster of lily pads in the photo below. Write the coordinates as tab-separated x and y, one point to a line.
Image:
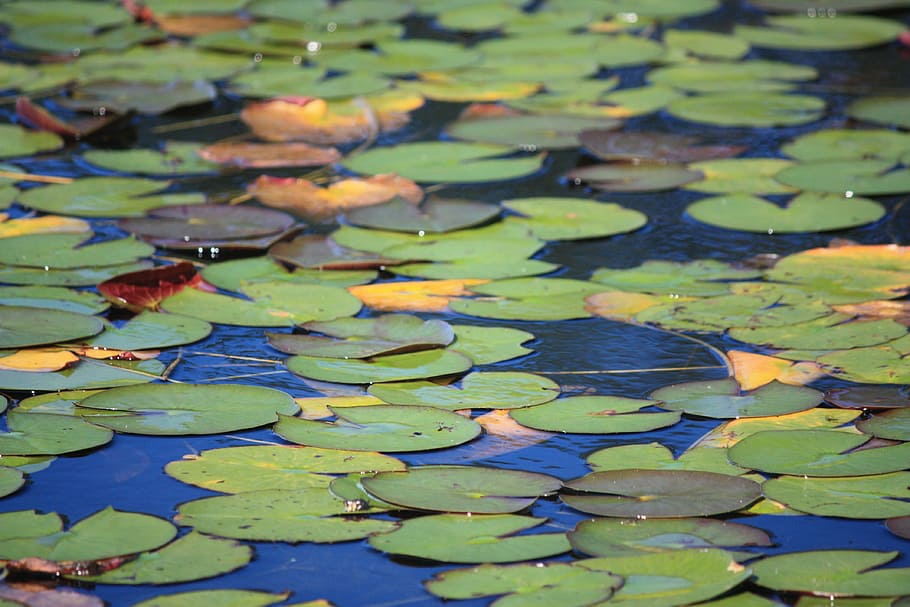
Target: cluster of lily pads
364	282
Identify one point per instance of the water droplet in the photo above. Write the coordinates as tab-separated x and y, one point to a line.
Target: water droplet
421	233
297	60
313	46
628	17
257	58
770	231
76	52
46	268
331	27
810	12
186	239
849	194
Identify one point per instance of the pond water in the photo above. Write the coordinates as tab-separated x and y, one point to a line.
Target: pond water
591	355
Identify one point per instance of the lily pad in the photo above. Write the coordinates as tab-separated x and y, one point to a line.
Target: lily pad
733	76
388	368
180	409
260	467
386	428
151	330
701	277
530	132
891	425
449	162
654	456
11	480
49	434
78	277
820	34
756	109
660	493
899	526
722	399
621	177
106	533
594	415
22	326
230	275
69	251
555	218
174	158
859	497
529	299
306	514
401	57
848	144
626	537
474	489
833	332
18	141
319	252
481	389
488	345
104	197
865	177
188	226
527	584
463	538
816	452
123	96
432	215
807	212
893	111
869	397
59	298
87	374
737	175
191	557
834	573
653	146
215	598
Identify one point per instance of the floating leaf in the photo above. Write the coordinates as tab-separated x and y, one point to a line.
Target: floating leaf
530	132
894	111
57	298
286	79
22	326
191	557
891	425
755	109
651	146
437	161
755	370
69	251
868	177
319	252
554	218
869	397
807	212
37	360
230	275
827	333
626	537
621	177
844	144
481	389
731	432
413	296
122	96
36	225
723	399
87	374
833	573
474	489
306	514
701	277
174	158
857	497
594	415
816	453
268	155
136	291
820	34
488	345
469	538
899	526
386	428
215	598
733	77
260	467
732	175
706	44
654	456
391	367
432	215
18	141
660	493
179	409
106	533
529	299
11	480
400	57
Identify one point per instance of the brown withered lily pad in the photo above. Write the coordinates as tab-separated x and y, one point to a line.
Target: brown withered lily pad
321	252
627	177
269	155
608	144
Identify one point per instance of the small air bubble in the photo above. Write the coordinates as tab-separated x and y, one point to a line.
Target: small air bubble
187	239
47	268
421	233
76	52
770	231
313	46
849	194
810	12
257	58
832	12
297	60
331	27
628	17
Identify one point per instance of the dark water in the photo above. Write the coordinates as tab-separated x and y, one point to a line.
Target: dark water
128	473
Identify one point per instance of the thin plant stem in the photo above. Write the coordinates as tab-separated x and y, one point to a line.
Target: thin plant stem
236	357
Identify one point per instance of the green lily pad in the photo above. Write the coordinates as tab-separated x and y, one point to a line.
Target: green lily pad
555	218
58	298
529	299
286	78
723	399
892	111
69	251
594	415
392	367
78	277
104	197
481	389
11	480
488	345
833	332
18	141
816	452
666	579
755	109
807	212
401	57
865	177
463	538
626	537
230	275
623	177
706	44
86	374
121	95
432	215
385	428
833	573
660	493
530	132
274	304
174	158
803	32
366	337
474	489
446	161
22	326
656	9
151	330
215	598
736	175
733	76
180	409
701	277
846	6
891	425
260	467
306	514
859	497
29	524
478	267
321	253
191	557
654	146
48	434
654	456
848	144
527	584
105	534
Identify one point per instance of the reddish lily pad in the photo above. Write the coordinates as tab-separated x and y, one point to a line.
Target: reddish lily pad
620	177
190	226
723	399
432	215
899	526
321	252
136	291
474	489
660	493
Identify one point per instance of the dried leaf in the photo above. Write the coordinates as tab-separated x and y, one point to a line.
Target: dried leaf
39	118
38	360
754	370
413	296
898	311
622	305
136	291
194	25
267	155
41	225
311	201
